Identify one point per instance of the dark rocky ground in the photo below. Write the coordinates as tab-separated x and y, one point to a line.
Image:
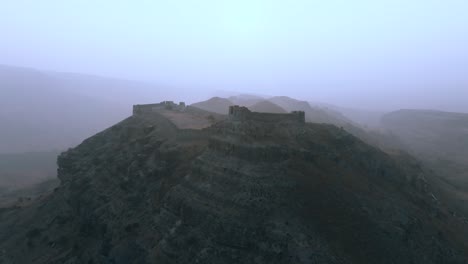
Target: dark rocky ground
144	191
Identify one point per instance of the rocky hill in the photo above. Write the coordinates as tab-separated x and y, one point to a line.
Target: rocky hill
438	138
441	138
267	107
431	133
216	105
146	191
246	100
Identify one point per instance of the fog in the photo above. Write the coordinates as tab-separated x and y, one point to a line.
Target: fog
381	55
234	131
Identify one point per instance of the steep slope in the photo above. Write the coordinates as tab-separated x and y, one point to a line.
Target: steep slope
267	107
216	105
363	117
440	139
144	191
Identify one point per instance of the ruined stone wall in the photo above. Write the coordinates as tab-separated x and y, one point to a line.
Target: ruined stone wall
140	109
148	108
240	113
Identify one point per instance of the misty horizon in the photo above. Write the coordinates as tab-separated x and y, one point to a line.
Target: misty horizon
380	56
225	132
204	93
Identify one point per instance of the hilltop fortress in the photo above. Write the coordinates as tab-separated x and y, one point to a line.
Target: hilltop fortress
236	113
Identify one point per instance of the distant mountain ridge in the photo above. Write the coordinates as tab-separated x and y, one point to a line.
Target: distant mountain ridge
42	111
431	132
439	138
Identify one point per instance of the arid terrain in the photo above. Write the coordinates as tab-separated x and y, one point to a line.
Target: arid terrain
148	190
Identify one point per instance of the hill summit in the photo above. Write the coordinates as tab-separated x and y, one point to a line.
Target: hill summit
267	107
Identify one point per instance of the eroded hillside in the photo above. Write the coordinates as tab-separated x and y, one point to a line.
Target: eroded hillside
146	191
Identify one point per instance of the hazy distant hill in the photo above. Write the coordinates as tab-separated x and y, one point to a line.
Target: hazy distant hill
41	111
26	176
363	117
216	105
315	115
25	169
439	138
432	133
245	99
267	107
125	92
367	118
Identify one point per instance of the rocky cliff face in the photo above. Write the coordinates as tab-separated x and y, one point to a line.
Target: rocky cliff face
145	191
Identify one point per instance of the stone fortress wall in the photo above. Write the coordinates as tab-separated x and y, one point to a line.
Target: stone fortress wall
168	105
236	113
240	113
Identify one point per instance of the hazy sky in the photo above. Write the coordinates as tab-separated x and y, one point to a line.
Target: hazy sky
367	53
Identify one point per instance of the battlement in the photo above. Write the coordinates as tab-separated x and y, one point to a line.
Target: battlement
167	105
241	113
